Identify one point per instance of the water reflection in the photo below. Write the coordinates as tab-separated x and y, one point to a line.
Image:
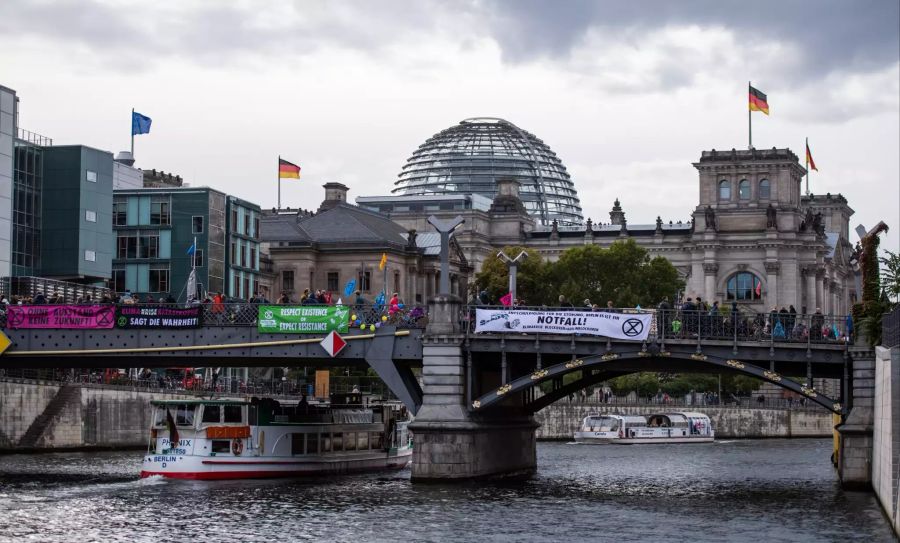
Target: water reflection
774	490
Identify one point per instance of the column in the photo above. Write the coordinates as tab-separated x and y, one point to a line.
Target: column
820	277
809	276
772	269
709	276
825	299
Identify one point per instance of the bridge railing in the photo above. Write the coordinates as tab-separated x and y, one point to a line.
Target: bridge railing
246	313
724	325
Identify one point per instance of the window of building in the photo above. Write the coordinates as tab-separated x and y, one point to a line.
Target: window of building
724	190
246	231
127	245
197	224
331	281
120	215
252	257
765	190
743	286
243	250
287	280
148	244
91	176
247	292
234	220
198	258
396	282
117	283
90	216
159	211
233	258
90	256
159	279
365	281
744	189
255	233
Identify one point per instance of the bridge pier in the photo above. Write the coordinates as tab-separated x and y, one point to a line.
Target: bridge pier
451	444
855	454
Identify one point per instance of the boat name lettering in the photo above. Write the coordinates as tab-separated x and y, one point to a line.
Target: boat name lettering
181	442
165	458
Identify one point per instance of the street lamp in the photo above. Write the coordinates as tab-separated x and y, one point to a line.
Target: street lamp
513	264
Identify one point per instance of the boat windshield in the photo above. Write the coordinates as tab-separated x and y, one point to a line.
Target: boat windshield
602	424
182	414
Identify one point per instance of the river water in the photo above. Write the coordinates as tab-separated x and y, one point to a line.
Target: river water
752	490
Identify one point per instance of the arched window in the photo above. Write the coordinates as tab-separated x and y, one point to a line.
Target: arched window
724	190
765	191
744	189
743	286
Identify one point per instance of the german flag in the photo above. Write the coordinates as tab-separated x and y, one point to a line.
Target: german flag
758	101
288	170
809	160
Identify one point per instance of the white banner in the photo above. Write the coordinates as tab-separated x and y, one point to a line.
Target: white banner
593	323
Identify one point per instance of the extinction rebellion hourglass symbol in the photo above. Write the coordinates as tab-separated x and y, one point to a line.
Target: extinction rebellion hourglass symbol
632	327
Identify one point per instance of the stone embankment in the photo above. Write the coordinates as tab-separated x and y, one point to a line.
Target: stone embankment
38	415
560	420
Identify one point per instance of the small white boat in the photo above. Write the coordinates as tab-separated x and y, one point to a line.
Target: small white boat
675	427
248	439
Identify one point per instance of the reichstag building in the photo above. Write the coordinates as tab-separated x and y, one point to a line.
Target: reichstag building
755	238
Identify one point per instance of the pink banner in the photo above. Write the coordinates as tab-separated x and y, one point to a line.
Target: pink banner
60	316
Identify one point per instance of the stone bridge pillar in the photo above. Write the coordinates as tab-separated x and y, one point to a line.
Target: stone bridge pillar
855	455
450	444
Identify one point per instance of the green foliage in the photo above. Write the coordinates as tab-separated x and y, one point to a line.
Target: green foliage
624	273
890	276
645	384
678	384
530	279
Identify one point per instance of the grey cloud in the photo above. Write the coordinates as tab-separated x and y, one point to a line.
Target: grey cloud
861	35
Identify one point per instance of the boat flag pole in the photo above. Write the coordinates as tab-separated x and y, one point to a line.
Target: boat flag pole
278	173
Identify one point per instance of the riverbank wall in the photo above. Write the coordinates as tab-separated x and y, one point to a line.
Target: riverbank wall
560	420
37	415
886	433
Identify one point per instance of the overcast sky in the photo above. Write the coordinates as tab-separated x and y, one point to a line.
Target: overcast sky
626	93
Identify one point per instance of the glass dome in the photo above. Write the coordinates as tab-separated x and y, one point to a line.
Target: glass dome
473	155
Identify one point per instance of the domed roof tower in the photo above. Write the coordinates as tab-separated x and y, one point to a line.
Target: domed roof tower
472	156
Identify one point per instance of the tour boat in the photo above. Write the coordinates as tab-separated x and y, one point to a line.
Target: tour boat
246	439
676	427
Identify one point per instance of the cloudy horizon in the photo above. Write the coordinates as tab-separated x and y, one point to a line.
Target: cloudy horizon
627	95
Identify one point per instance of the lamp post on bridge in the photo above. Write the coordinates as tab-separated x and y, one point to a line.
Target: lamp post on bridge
445	228
513	265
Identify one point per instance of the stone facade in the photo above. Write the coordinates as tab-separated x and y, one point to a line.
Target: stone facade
342	242
750	218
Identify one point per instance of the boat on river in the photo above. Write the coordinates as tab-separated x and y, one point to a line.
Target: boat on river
674	427
256	438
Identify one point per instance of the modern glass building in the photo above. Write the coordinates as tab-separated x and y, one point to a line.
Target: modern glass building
155	227
471	157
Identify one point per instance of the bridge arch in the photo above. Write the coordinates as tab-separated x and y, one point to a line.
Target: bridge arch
616	364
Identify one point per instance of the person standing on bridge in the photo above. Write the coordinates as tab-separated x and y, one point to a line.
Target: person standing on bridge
218	307
816	324
565	303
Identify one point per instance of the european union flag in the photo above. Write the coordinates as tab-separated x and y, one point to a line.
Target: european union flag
140	124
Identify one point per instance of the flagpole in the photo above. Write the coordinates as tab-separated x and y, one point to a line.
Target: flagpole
132	133
807	166
749	119
279	182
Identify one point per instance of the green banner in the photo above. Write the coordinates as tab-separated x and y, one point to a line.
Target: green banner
307	319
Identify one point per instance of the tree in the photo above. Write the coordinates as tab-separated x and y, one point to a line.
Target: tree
624	273
890	276
530	279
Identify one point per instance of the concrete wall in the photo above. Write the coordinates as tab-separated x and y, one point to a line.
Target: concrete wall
886	433
560	420
90	417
